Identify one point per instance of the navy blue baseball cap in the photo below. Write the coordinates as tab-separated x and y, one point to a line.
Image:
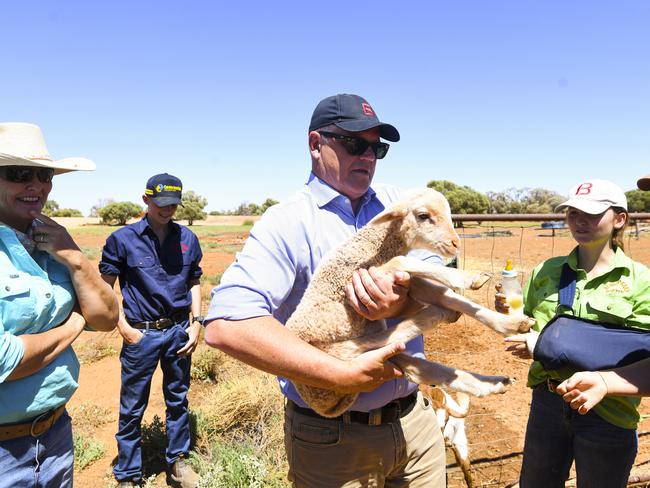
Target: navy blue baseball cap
164	189
351	113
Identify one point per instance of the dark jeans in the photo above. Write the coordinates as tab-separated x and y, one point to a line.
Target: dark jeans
41	462
139	362
557	435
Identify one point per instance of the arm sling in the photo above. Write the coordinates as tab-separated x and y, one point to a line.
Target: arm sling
583	344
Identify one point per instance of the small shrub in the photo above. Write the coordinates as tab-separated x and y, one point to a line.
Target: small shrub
94	350
86	450
235	465
247	223
207	365
88	417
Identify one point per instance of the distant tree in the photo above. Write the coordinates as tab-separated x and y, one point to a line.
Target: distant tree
192	208
94	210
524	200
269	202
67	212
462	199
119	212
50	207
638	200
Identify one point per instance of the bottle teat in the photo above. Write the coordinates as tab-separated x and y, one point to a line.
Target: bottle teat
509	271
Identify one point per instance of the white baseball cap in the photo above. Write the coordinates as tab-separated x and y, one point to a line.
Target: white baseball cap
594	197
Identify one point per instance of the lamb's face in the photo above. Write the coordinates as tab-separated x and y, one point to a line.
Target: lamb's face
428	224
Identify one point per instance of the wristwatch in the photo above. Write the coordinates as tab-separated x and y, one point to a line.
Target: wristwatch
199	319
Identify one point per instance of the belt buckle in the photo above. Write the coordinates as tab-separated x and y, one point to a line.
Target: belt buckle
552	384
34	432
375	416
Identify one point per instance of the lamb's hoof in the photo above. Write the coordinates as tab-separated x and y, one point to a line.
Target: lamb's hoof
499	387
514	324
526	324
479	280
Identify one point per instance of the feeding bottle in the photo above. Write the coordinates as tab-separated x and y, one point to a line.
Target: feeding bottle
511	288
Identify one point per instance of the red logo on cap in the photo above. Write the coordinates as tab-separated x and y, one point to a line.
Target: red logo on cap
367	109
584	189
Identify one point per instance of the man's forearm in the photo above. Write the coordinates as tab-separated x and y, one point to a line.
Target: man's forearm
195	292
266	344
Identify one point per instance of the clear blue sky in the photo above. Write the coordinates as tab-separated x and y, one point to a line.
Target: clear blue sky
490	94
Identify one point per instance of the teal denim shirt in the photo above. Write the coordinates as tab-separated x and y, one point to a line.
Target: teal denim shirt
36	294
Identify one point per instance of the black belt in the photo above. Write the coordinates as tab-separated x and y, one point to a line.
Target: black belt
391	412
162	323
549	384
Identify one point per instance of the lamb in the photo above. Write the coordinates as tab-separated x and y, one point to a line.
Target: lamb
325	319
451	415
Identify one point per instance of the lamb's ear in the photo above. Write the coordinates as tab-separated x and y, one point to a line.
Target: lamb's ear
398	211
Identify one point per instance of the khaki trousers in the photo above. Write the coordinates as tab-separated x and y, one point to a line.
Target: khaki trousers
326	453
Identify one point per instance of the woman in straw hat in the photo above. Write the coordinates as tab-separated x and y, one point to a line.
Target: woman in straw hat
48	292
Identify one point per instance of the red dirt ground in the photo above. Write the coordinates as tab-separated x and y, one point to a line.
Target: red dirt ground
495	425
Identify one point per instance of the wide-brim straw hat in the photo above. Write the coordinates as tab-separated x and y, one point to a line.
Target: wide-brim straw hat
23	144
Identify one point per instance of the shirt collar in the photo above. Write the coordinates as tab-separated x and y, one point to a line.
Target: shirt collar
621	260
325	194
143	224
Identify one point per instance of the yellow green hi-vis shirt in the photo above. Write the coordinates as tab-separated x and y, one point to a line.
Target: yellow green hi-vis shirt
620	296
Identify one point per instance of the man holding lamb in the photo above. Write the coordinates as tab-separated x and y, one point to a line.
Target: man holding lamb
390	436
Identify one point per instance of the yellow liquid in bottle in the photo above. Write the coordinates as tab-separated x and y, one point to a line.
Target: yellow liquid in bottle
516	303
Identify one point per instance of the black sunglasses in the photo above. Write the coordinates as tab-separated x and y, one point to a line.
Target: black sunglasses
356	146
25	174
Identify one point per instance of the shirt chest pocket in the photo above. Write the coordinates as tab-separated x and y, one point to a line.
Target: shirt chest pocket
611	311
17	301
145	261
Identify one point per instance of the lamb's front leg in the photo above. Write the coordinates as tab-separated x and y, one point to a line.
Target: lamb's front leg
426	291
425	372
453	278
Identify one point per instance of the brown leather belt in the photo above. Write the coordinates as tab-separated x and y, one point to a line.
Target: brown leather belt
162	323
391	412
37	427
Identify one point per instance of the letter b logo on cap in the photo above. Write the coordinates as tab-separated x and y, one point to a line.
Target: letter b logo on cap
584	189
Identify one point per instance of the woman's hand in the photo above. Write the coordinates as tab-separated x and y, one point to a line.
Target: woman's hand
522	345
584	390
53	238
500	303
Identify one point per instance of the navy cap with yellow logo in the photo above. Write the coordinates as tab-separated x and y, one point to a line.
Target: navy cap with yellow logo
164	189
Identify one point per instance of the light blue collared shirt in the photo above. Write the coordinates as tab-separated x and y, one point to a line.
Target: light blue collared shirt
285	246
36	295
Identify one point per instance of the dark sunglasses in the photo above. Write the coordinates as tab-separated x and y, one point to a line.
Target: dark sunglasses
356	146
25	174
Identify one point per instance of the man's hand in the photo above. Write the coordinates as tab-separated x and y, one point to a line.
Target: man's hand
373	368
500	304
377	295
522	345
583	390
131	335
193	333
